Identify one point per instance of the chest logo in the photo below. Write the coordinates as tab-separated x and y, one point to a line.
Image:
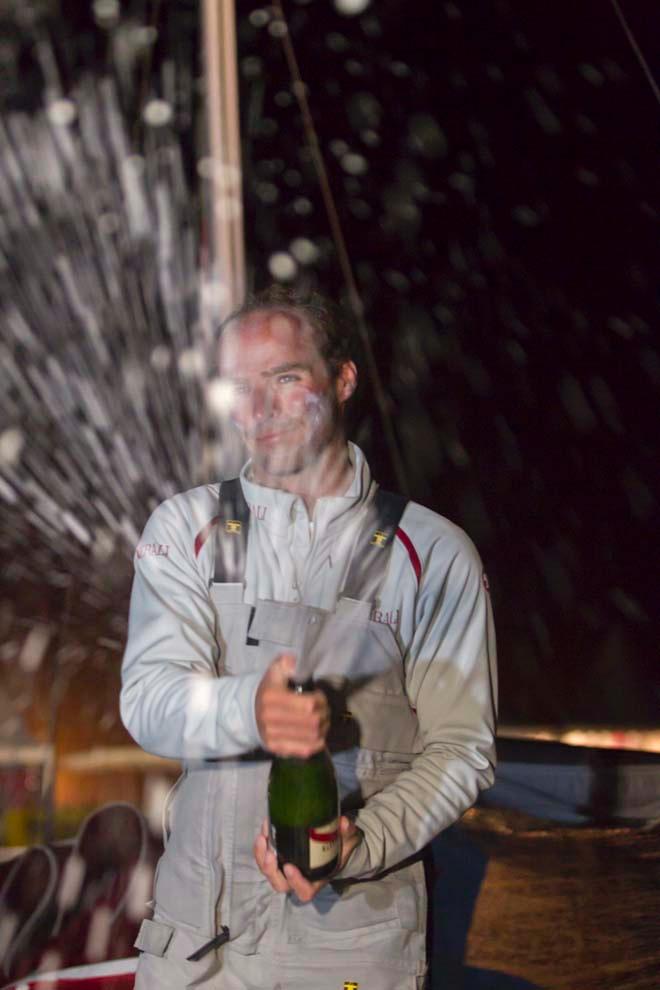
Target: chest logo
379	539
232	526
258	511
351	985
153	550
387	618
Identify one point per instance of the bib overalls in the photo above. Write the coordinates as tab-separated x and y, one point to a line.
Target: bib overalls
241	934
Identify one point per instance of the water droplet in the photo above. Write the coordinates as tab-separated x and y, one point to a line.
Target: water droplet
277	29
259	18
302	206
304	250
350	8
62	113
106	12
354	164
219	396
282	266
157	113
191	363
591	74
12	442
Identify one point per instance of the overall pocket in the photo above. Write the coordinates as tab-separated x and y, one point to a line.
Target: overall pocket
165	946
232	620
250	914
365	916
339	913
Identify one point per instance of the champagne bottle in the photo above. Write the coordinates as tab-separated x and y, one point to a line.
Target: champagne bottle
303	806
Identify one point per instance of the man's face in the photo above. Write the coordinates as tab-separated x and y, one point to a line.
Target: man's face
284	401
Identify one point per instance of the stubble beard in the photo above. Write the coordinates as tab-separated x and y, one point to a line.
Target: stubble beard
322	429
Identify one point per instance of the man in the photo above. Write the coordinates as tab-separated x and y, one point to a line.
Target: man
303	567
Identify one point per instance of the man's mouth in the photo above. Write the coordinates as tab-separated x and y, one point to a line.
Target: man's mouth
272	435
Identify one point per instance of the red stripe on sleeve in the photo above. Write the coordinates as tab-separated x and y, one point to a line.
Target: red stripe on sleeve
203	534
412	553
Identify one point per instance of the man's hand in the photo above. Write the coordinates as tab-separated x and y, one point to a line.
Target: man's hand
290	724
292	880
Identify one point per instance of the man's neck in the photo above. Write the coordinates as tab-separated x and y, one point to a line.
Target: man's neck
330	474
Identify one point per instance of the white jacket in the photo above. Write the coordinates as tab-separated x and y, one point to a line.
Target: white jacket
434	601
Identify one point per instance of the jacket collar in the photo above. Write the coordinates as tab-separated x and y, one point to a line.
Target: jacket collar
277	509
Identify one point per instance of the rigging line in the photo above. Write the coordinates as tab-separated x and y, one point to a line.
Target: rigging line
145	71
300	92
637	50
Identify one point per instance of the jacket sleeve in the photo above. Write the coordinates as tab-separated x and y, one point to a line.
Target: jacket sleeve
451	682
172	701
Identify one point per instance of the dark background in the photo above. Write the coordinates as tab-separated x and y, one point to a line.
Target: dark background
501	224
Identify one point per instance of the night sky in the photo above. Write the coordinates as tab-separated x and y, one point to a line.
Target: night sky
496	180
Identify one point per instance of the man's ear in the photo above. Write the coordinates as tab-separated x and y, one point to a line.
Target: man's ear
346	382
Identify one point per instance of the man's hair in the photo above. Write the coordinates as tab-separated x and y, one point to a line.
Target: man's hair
326	320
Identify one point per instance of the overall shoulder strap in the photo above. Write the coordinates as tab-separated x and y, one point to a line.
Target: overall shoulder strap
373	546
231	534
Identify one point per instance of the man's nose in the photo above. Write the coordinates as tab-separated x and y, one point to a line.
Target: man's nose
262	402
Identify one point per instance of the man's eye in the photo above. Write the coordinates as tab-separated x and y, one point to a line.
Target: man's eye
287	378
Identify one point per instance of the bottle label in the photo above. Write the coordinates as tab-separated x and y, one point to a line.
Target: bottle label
323	844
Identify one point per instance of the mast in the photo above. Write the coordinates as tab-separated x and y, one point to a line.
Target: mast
223	262
226	257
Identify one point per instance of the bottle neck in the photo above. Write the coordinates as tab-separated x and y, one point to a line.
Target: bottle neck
298	761
302	687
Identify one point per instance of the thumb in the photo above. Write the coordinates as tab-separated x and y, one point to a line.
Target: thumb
281	670
347	827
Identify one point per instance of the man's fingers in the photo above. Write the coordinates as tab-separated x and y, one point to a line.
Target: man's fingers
290	724
287	704
296	726
282	713
260	848
266	860
347	827
351	837
304	889
291	879
273	874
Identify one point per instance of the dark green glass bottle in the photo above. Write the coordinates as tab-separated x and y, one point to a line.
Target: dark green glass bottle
303	807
